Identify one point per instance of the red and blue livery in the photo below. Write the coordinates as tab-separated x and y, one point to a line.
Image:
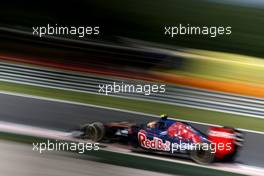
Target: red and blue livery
169	137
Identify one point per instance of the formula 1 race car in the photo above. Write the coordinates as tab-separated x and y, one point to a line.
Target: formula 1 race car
168	136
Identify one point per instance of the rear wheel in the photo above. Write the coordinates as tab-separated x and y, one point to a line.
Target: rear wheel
94	131
202	154
239	140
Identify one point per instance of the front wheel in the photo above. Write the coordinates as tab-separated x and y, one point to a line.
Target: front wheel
94	131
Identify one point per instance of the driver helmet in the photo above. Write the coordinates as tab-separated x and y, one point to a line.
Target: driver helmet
164	116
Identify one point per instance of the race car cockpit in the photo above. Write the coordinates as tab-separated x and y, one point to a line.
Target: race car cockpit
158	124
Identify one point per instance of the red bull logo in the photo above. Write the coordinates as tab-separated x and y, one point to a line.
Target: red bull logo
155	143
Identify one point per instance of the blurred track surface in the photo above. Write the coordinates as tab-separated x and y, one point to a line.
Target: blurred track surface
24	162
65	116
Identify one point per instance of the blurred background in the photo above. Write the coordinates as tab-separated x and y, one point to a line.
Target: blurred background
239	55
216	81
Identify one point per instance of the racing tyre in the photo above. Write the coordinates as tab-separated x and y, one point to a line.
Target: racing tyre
239	140
202	154
94	131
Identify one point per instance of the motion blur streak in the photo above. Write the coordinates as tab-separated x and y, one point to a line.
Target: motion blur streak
117	149
222	73
214	70
24	162
174	95
64	116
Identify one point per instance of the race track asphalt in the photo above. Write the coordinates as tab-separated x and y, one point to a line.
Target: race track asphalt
24	162
65	116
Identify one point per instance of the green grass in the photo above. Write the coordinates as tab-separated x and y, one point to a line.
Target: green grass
221	66
140	106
